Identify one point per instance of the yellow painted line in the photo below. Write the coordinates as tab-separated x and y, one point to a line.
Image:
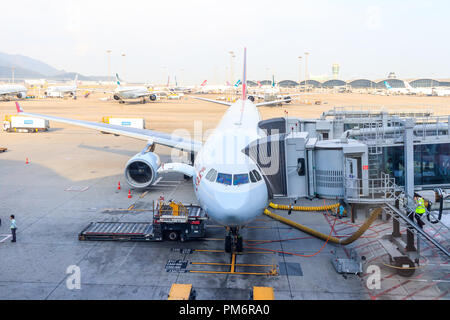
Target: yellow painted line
209	250
143	195
233	261
229	264
131	207
228	272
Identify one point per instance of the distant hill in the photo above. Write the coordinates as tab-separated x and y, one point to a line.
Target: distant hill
26	63
29	68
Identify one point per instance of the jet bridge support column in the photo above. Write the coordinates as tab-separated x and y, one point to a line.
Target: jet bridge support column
408	144
396	223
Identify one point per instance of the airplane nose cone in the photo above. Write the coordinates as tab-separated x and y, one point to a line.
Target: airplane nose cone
236	207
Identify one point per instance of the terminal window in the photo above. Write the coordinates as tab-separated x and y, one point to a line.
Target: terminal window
431	164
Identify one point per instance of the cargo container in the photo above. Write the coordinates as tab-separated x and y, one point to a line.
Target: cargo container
138	123
24	124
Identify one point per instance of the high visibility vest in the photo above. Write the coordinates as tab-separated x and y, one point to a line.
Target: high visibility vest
420	209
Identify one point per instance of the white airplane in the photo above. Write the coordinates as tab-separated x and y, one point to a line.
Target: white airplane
206	88
397	90
61	91
132	92
273	93
228	184
419	91
9	91
441	92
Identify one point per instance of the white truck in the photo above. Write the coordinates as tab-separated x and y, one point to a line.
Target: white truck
24	124
138	123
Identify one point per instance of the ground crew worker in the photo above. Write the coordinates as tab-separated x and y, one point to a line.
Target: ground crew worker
420	210
13	228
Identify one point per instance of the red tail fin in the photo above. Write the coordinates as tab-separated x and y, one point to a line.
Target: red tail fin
244	77
204	83
19	108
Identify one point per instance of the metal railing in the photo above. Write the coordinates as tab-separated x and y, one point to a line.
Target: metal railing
381	189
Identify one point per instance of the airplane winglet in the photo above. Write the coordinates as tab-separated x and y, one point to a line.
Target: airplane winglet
19	108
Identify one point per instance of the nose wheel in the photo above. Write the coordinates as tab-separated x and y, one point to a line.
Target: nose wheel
233	241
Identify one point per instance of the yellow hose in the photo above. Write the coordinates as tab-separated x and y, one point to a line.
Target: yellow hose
323	236
300	208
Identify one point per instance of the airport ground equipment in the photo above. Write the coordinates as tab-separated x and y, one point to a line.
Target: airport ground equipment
180	291
353	264
172	221
262	293
24	124
120	231
3	149
138	123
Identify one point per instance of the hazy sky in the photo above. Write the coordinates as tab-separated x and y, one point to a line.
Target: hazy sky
191	39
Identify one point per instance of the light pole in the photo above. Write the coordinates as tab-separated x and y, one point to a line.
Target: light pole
231	66
123	65
165	71
108	52
306	69
12	73
299	70
182	77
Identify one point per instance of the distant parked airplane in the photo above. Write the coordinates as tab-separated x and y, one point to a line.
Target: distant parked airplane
60	91
10	91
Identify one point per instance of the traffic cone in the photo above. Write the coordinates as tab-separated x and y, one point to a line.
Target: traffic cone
118	187
129	194
26	162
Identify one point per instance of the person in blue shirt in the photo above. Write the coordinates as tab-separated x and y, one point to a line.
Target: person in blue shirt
13	228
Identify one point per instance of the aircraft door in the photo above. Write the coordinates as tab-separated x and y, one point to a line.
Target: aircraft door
351	178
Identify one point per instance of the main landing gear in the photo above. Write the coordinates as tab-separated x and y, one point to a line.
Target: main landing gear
233	241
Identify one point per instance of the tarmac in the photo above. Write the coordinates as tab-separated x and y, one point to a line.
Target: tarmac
71	180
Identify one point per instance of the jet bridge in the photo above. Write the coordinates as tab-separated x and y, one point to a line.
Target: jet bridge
296	165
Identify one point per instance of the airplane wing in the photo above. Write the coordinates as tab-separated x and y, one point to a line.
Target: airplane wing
271	102
151	136
213	101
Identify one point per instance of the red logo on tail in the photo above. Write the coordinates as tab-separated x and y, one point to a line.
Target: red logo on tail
19	108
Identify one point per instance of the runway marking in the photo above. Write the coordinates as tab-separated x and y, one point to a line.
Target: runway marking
158	180
76	189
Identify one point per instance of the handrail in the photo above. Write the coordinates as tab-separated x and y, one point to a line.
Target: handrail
419	230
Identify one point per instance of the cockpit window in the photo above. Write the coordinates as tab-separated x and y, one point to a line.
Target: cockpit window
240	179
224	178
211	176
257	175
252	177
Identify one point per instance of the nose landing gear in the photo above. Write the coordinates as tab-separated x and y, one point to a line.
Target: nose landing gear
233	241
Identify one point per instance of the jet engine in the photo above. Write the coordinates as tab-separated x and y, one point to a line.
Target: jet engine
116	97
21	95
152	97
287	99
141	170
251	98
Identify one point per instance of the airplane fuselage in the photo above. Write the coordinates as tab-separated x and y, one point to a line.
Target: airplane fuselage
13	90
222	184
131	92
62	90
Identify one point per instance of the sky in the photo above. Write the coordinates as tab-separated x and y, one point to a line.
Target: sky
191	40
